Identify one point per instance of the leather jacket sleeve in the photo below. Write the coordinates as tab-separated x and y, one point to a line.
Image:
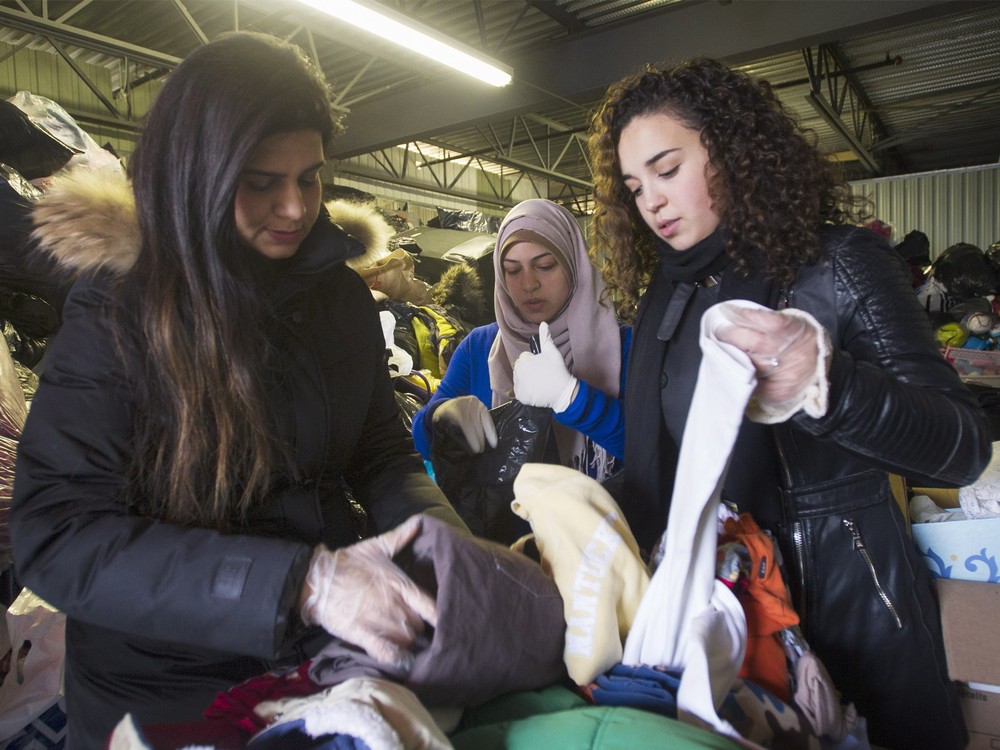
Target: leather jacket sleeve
895	402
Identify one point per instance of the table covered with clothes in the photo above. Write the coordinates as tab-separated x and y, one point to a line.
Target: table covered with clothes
580	644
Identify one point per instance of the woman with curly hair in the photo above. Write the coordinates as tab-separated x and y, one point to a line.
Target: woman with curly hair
707	191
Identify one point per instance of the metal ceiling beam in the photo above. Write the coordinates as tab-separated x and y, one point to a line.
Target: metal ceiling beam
189	20
354	170
72	35
831	116
836	92
569	70
560	15
101	96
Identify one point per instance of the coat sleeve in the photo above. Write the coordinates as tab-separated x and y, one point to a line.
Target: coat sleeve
384	471
596	414
894	400
467	374
77	545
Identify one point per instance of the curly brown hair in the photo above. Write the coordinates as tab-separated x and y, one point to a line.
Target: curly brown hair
771	187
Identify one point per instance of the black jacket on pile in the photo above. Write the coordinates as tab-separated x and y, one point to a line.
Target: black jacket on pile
821	485
162	617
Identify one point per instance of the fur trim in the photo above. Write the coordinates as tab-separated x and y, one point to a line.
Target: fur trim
86	220
460	291
365	224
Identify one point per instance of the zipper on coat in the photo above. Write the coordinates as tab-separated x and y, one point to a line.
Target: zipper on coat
798	531
799	545
859	546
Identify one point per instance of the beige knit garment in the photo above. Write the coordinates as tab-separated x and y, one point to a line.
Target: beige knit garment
589	551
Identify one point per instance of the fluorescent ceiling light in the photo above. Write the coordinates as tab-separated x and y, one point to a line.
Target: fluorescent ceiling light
407	33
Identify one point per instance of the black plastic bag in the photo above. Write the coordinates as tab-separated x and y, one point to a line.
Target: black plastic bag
965	272
481	487
469	221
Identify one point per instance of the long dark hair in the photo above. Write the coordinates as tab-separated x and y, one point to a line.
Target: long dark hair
771	188
204	445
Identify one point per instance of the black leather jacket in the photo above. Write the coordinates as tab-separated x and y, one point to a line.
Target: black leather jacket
895	405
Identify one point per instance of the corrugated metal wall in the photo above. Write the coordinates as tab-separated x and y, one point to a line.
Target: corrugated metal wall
46	74
950	206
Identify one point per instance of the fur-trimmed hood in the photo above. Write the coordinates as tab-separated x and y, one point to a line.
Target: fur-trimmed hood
86	221
365	224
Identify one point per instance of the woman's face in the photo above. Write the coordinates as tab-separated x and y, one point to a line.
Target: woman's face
536	281
279	193
665	166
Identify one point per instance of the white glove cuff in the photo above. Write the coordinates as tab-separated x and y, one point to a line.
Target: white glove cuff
813	398
322	568
565	398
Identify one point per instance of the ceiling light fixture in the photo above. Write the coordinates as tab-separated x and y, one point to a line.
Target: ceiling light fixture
407	33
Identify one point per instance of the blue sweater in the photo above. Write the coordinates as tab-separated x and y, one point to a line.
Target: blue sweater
593	413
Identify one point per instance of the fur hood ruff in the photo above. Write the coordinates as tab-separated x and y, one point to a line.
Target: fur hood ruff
86	221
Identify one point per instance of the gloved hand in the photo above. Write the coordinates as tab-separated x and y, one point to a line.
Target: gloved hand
358	594
790	351
542	379
472	418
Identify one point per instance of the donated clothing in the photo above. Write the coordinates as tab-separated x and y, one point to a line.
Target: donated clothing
500	624
588	549
689	619
592	412
768	607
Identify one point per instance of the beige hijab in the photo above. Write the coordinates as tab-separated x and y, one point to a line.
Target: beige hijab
586	331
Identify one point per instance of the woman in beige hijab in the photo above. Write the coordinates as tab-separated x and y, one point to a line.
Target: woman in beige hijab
546	287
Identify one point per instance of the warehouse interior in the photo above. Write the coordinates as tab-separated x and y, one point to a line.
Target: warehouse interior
224	414
890	88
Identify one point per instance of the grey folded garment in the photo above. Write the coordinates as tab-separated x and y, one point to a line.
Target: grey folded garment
500	624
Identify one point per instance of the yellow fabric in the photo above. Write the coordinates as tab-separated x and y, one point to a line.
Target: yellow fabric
432	343
589	551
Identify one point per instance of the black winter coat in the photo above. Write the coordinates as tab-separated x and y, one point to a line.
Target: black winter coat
162	617
895	405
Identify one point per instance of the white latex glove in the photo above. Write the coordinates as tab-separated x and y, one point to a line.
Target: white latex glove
542	379
358	594
472	417
790	351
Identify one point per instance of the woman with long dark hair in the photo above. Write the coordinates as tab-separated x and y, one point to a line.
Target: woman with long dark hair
706	192
215	424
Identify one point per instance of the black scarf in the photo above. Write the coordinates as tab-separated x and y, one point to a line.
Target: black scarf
704	259
650	453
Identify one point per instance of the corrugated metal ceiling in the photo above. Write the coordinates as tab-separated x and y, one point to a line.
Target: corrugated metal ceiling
913	97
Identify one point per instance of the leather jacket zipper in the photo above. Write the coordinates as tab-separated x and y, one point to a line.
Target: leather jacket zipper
799	544
798	534
859	546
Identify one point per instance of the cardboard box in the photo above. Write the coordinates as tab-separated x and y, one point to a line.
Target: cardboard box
981	708
966	550
970	613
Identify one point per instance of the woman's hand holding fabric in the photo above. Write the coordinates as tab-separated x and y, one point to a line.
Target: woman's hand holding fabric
358	594
470	417
542	379
790	351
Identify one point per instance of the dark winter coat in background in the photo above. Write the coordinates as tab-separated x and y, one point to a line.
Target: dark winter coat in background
200	609
820	485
